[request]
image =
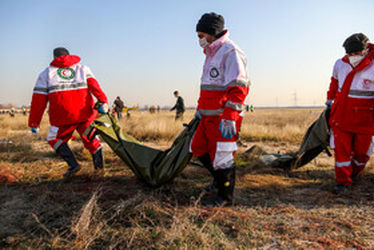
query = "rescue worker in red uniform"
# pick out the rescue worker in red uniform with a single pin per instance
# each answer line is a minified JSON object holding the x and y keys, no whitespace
{"x":351,"y":94}
{"x":224,"y":87}
{"x":68,"y":88}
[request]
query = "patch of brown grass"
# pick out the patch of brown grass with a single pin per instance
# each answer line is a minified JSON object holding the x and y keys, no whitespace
{"x":273,"y":209}
{"x":262,"y":125}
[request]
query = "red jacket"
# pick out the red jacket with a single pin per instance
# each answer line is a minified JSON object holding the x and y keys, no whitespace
{"x":67,"y":86}
{"x":352,"y":89}
{"x":224,"y":82}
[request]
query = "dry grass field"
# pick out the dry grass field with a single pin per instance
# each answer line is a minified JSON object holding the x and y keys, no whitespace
{"x":273,"y":209}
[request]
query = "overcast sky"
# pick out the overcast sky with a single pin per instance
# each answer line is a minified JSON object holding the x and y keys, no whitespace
{"x":144,"y":50}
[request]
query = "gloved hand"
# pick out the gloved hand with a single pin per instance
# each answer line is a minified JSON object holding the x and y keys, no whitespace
{"x":328,"y":104}
{"x":197,"y":114}
{"x":103,"y":109}
{"x":35,"y":130}
{"x":227,"y":128}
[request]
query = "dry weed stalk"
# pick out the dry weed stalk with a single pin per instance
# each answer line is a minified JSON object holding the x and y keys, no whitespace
{"x":81,"y":227}
{"x":89,"y":224}
{"x":43,"y":226}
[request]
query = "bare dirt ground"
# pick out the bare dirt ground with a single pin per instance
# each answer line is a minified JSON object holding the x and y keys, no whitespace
{"x":273,"y":209}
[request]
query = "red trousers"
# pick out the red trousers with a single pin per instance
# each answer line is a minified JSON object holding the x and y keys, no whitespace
{"x":58,"y":135}
{"x":208,"y":140}
{"x":352,"y":151}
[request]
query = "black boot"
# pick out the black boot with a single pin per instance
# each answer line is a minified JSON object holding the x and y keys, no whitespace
{"x":212,"y":186}
{"x":206,"y":161}
{"x":66,"y":154}
{"x":98,"y":159}
{"x":340,"y":188}
{"x":226,"y":184}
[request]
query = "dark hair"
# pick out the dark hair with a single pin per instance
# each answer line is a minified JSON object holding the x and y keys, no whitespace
{"x":176,"y":92}
{"x":220,"y":34}
{"x":60,"y":51}
{"x":356,"y":43}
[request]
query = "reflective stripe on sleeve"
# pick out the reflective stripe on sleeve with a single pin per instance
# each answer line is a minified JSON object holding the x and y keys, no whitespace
{"x":367,"y":93}
{"x":239,"y":83}
{"x":212,"y":87}
{"x":234,"y":83}
{"x":210,"y":112}
{"x":40,"y":90}
{"x":234,"y":105}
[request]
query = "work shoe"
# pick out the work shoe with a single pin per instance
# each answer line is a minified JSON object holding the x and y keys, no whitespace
{"x":355,"y":178}
{"x":217,"y":202}
{"x":66,"y":154}
{"x":225,"y":183}
{"x":98,"y":159}
{"x":340,"y":188}
{"x":71,"y":171}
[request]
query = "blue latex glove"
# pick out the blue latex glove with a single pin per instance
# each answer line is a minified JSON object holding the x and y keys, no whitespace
{"x":35,"y":130}
{"x":227,"y":128}
{"x":103,"y":109}
{"x":197,"y":114}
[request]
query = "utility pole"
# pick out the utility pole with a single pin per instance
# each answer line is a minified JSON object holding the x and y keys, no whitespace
{"x":295,"y":98}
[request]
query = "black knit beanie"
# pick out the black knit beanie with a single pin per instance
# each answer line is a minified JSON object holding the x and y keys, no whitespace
{"x":355,"y":43}
{"x":60,"y":51}
{"x":211,"y":23}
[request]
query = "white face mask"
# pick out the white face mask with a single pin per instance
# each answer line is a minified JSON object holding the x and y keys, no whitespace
{"x":355,"y":60}
{"x":203,"y":42}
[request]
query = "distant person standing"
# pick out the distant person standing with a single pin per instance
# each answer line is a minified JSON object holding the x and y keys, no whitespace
{"x":24,"y":110}
{"x":351,"y":98}
{"x":224,"y":87}
{"x":12,"y":112}
{"x":179,"y":106}
{"x":119,"y":105}
{"x":68,"y":88}
{"x":113,"y":110}
{"x":252,"y":108}
{"x":152,"y":109}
